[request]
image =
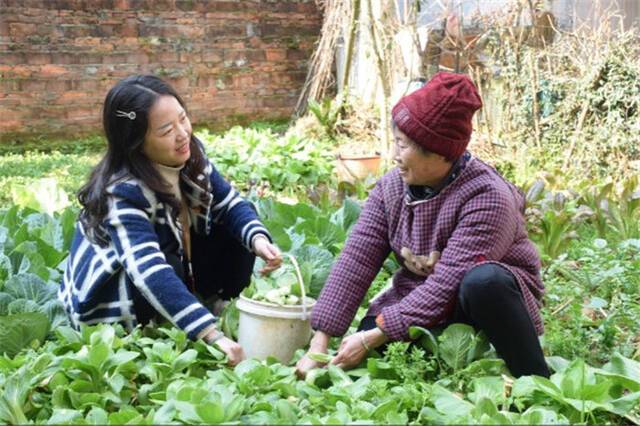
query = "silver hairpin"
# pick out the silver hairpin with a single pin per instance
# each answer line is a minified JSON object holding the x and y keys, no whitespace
{"x":130,"y":115}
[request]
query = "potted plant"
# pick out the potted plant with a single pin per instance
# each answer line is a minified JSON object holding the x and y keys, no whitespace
{"x":356,"y":161}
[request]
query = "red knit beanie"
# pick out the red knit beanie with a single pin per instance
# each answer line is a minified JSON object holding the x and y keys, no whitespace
{"x":438,"y":115}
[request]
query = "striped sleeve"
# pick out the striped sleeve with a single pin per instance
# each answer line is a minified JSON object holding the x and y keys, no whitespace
{"x":137,"y":248}
{"x":230,"y":209}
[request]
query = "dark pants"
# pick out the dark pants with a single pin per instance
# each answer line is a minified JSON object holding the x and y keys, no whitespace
{"x":222,"y":267}
{"x":489,"y":299}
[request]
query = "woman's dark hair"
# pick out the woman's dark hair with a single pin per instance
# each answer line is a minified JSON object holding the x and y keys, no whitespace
{"x":125,"y":118}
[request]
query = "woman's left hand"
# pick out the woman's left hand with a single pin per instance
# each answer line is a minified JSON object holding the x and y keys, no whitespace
{"x":355,"y":348}
{"x":269,"y":253}
{"x":351,"y":352}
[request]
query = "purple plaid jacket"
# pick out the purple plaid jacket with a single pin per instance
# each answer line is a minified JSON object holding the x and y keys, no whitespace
{"x":474,"y":220}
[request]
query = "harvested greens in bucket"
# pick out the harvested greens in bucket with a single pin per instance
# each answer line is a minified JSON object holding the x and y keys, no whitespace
{"x":281,"y":287}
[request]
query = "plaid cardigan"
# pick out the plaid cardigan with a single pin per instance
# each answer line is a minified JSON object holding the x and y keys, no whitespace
{"x":98,"y":283}
{"x":475,"y":219}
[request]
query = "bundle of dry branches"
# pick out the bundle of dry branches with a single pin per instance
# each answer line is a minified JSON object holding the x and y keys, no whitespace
{"x":320,"y":75}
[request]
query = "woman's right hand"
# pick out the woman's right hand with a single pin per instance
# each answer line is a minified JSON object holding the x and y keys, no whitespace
{"x":319,"y":344}
{"x":232,"y":349}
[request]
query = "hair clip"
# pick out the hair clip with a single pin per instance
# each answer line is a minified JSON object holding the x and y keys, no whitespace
{"x":130,"y":115}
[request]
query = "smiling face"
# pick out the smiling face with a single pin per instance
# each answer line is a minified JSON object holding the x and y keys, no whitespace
{"x":416,"y":166}
{"x":169,"y":133}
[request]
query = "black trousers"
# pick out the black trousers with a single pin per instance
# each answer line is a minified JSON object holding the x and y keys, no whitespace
{"x":222,"y":267}
{"x":489,"y":300}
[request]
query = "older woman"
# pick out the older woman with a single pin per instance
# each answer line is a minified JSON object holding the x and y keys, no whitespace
{"x":457,"y":228}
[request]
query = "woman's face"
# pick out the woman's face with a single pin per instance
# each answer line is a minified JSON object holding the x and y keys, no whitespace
{"x":417,"y":167}
{"x":169,"y":133}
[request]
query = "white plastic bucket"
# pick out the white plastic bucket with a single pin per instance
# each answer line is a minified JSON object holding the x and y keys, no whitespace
{"x":267,"y":329}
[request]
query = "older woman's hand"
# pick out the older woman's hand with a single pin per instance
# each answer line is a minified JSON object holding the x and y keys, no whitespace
{"x":351,"y":351}
{"x":319,"y":344}
{"x":355,"y":348}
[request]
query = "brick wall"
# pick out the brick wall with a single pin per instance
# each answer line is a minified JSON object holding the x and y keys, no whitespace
{"x":230,"y":60}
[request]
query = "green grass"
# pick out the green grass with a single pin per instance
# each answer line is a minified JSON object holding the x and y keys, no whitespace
{"x":70,"y":170}
{"x":69,"y":161}
{"x":78,"y":146}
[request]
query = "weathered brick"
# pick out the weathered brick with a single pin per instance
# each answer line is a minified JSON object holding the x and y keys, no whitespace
{"x":137,"y":58}
{"x":129,"y":29}
{"x":296,"y":54}
{"x":33,"y":86}
{"x":212,"y":56}
{"x":228,"y":58}
{"x":254,"y":55}
{"x":20,"y":30}
{"x":4,"y":28}
{"x":12,"y":58}
{"x":116,"y":58}
{"x":275,"y":55}
{"x":58,"y":86}
{"x":38,"y":59}
{"x":52,"y":70}
{"x":164,"y":57}
{"x":278,"y":101}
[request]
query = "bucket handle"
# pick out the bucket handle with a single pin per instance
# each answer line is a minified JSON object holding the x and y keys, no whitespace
{"x":302,"y":289}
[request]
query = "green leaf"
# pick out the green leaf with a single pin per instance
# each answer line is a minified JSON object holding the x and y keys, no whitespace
{"x":557,"y":364}
{"x":22,"y":305}
{"x":210,"y":412}
{"x":320,"y":357}
{"x":230,"y":321}
{"x":20,"y":330}
{"x":98,"y":354}
{"x":347,"y":215}
{"x":5,"y":300}
{"x":233,"y":409}
{"x":28,"y":259}
{"x":286,"y":411}
{"x":117,"y":382}
{"x":318,"y":377}
{"x":120,"y":358}
{"x":338,"y":376}
{"x":486,"y":409}
{"x":186,"y":412}
{"x":623,"y":405}
{"x":184,"y":360}
{"x":623,"y":370}
{"x":446,"y":402}
{"x":491,"y":388}
{"x":63,"y":416}
{"x":126,"y":415}
{"x":455,"y":343}
{"x":320,"y":261}
{"x":425,"y":339}
{"x":16,"y":388}
{"x":83,"y":400}
{"x":31,"y":287}
{"x":381,"y":370}
{"x":253,"y":371}
{"x":542,"y":416}
{"x":381,"y":411}
{"x":97,"y":416}
{"x":165,"y":414}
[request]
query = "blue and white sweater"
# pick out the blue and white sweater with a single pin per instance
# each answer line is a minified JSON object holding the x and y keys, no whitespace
{"x":98,"y":281}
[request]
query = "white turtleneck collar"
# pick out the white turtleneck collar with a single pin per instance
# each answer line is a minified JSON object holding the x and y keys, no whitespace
{"x":172,"y":176}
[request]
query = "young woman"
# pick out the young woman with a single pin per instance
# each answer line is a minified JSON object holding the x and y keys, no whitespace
{"x":458,"y":230}
{"x":158,"y":223}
